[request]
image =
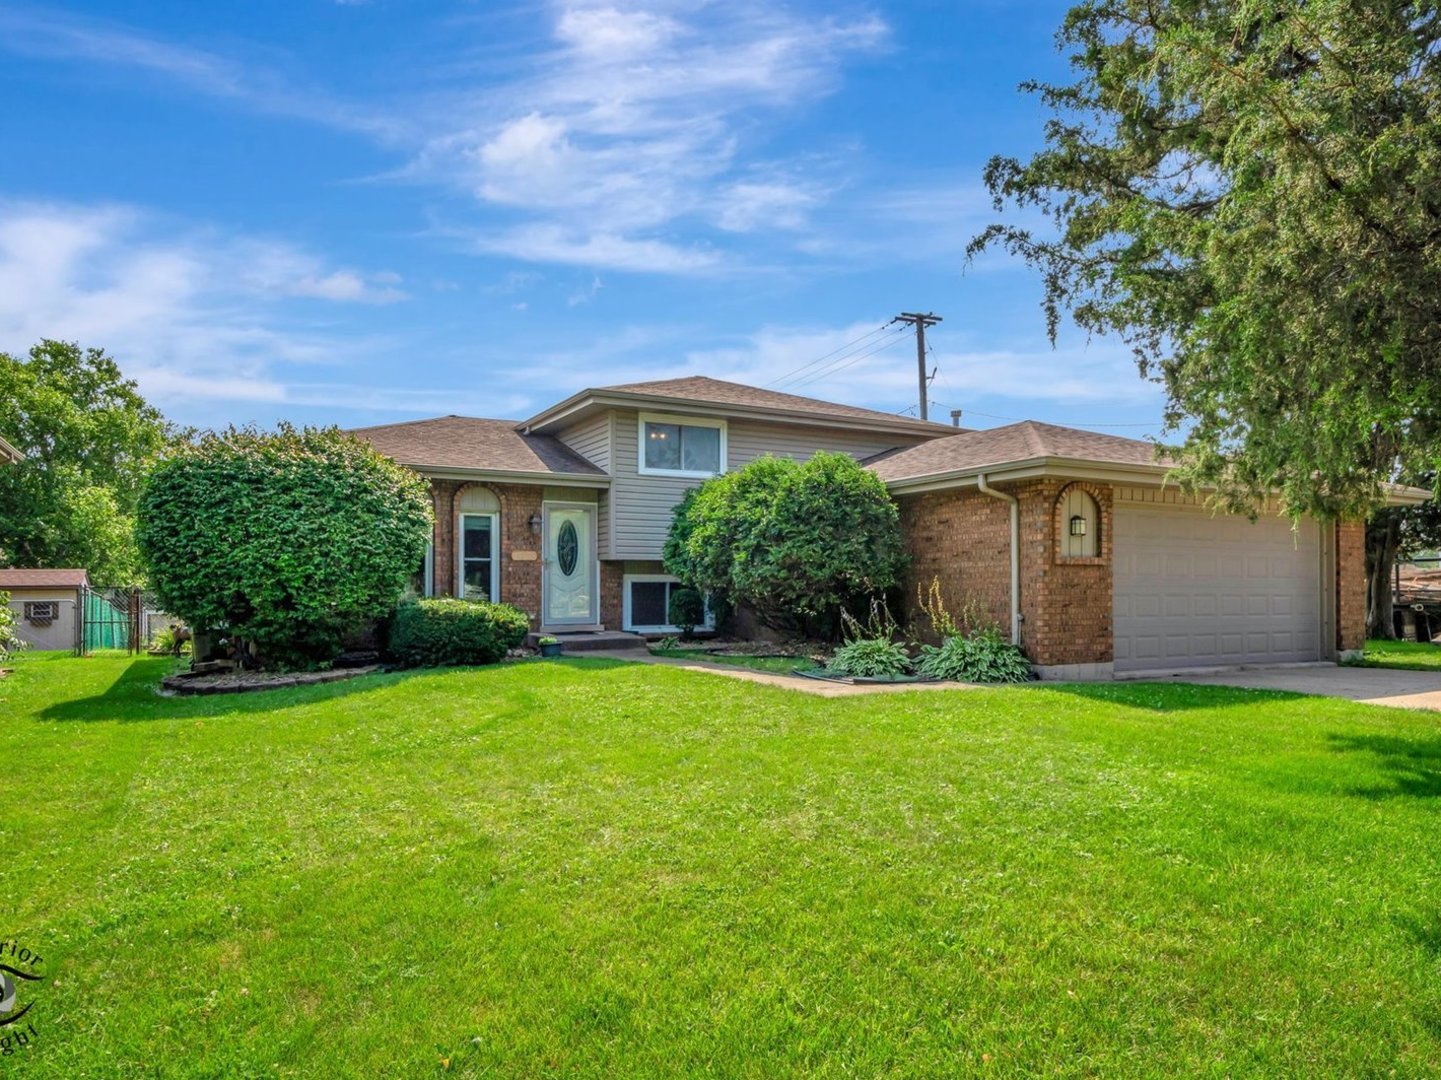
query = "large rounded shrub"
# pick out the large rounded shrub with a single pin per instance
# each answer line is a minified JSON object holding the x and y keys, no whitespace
{"x":797,"y":542}
{"x":287,"y":540}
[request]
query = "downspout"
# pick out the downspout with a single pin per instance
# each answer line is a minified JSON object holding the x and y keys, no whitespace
{"x":986,"y":489}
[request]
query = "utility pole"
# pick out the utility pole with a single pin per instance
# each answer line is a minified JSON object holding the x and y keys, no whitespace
{"x":920,"y":322}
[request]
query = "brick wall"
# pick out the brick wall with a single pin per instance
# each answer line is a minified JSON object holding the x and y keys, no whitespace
{"x":962,"y":538}
{"x":1350,"y":585}
{"x":1069,"y":615}
{"x":612,"y":572}
{"x":519,"y":577}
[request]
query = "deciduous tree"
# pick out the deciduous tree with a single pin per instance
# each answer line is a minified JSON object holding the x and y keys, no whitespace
{"x":1249,"y":194}
{"x":88,"y":437}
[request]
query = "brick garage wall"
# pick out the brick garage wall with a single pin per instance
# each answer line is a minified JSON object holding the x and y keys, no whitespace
{"x":519,"y":576}
{"x":962,"y":537}
{"x":1350,"y":585}
{"x":1068,"y":618}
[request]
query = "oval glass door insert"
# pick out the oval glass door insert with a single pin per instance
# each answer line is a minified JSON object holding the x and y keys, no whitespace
{"x":567,"y":548}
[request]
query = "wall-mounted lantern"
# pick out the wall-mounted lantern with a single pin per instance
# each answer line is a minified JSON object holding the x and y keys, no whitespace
{"x":1078,"y":525}
{"x":535,"y":524}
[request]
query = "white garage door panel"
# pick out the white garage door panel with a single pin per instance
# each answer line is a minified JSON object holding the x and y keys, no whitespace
{"x":1197,"y":591}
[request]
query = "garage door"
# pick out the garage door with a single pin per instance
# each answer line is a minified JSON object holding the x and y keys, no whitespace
{"x":1192,"y":590}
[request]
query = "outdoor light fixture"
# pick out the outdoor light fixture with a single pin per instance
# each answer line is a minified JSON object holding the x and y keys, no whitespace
{"x":535,"y":524}
{"x":1078,"y":525}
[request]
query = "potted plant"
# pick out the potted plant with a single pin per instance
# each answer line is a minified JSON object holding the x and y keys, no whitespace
{"x":550,"y":646}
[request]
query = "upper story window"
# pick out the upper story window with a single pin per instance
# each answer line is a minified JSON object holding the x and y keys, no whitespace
{"x":676,"y":446}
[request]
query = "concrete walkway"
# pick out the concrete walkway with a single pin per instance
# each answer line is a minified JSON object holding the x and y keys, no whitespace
{"x":1373,"y":686}
{"x":818,"y":687}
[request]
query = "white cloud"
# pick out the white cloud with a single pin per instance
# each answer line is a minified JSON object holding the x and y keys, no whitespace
{"x":586,"y":295}
{"x":634,"y":122}
{"x":54,"y":34}
{"x":348,"y":286}
{"x":749,"y":205}
{"x":556,"y":244}
{"x":611,"y":34}
{"x":637,"y":121}
{"x":188,"y":313}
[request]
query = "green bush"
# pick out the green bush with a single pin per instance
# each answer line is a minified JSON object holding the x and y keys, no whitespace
{"x":10,"y":641}
{"x":983,"y":657}
{"x":687,"y":609}
{"x":436,"y":633}
{"x":796,"y":542}
{"x":287,"y":540}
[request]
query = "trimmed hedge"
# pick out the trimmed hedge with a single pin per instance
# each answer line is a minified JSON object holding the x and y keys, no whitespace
{"x":440,"y":633}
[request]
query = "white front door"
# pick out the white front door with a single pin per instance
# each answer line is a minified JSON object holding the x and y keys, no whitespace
{"x":569,"y":573}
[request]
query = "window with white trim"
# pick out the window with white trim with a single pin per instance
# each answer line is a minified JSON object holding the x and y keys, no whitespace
{"x":646,"y":604}
{"x":681,"y":446}
{"x":479,"y":557}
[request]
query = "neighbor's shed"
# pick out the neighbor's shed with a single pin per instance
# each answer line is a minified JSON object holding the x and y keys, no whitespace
{"x":46,"y":604}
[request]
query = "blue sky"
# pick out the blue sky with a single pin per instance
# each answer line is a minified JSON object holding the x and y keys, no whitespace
{"x":374,"y":210}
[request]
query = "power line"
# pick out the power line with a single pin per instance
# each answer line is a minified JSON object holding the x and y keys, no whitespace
{"x":827,"y":356}
{"x":853,"y":360}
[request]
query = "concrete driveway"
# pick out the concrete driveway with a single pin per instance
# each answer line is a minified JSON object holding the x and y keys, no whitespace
{"x":1374,"y":686}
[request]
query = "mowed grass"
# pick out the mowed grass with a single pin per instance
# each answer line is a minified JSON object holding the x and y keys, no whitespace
{"x":1410,"y":655}
{"x":587,"y":868}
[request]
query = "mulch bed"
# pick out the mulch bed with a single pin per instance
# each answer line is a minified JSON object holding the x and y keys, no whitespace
{"x":242,"y":682}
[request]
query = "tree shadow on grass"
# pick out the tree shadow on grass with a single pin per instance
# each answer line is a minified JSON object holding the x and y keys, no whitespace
{"x":1167,"y":697}
{"x":133,"y":697}
{"x":1412,"y":767}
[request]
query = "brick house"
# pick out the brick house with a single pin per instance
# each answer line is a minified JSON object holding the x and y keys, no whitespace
{"x":1069,"y":539}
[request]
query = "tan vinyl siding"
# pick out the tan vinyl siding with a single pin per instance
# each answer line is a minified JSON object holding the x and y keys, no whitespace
{"x":591,"y":440}
{"x":641,"y":505}
{"x":749,"y":440}
{"x":640,"y":509}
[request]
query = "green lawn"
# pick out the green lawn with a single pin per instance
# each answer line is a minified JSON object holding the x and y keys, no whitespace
{"x":587,"y":868}
{"x":1412,"y":655}
{"x":778,"y":665}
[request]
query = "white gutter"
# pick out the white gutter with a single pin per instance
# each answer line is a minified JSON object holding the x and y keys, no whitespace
{"x":986,"y":489}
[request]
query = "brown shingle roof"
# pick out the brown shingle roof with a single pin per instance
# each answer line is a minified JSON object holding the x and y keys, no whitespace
{"x":699,"y":388}
{"x":468,"y":442}
{"x":994,"y":447}
{"x":42,"y":579}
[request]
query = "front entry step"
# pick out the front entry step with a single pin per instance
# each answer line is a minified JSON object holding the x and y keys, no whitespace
{"x":591,"y":640}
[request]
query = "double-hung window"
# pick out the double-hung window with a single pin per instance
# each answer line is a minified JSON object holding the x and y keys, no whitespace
{"x":478,"y":557}
{"x":681,"y":446}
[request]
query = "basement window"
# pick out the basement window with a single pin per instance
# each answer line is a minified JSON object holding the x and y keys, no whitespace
{"x":646,"y":603}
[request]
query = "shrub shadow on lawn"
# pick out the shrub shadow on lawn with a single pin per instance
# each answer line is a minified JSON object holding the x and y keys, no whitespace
{"x":1167,"y":697}
{"x":1412,"y":766}
{"x":133,"y":696}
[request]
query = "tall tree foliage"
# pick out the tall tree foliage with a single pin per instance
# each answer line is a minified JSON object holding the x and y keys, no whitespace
{"x":88,"y":437}
{"x":1249,"y":194}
